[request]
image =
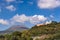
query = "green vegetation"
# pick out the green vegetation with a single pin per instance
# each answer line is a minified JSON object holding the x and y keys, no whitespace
{"x":46,"y":32}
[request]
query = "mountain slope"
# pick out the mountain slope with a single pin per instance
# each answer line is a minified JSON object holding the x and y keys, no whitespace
{"x":17,"y":28}
{"x":14,"y":28}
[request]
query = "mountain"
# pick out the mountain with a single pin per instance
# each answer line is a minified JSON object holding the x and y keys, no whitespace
{"x":17,"y":28}
{"x":14,"y":28}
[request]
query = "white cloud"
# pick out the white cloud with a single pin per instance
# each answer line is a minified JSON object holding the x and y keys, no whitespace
{"x":48,"y":22}
{"x":48,"y":3}
{"x":37,"y":18}
{"x":32,"y":19}
{"x":20,"y":18}
{"x":51,"y":16}
{"x":4,"y":22}
{"x":10,"y":0}
{"x":11,"y":8}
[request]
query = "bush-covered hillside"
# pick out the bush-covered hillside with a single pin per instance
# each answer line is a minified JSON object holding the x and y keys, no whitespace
{"x":46,"y":32}
{"x":52,"y":30}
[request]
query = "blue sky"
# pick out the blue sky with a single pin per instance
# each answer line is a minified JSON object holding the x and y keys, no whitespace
{"x":28,"y":12}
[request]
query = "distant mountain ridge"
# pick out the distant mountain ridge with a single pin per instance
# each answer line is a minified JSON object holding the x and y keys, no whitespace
{"x":17,"y":28}
{"x":14,"y":28}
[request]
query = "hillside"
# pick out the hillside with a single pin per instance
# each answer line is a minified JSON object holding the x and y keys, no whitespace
{"x":51,"y":30}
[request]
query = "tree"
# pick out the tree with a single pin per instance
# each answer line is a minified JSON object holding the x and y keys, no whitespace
{"x":16,"y":33}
